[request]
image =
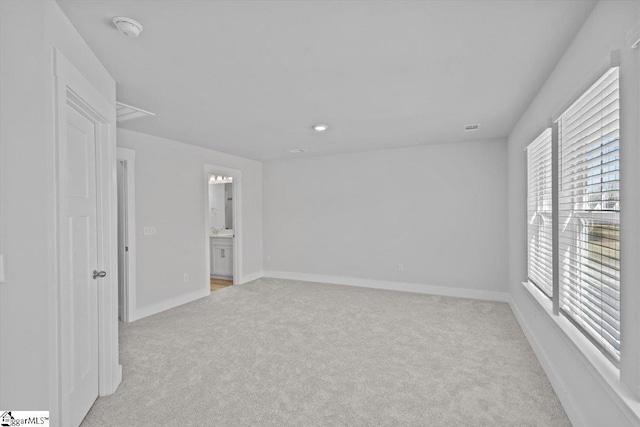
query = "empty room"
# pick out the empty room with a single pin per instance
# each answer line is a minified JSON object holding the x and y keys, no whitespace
{"x":320,"y":213}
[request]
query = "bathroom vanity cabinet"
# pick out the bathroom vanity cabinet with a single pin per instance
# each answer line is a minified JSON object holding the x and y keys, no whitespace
{"x":221,"y":252}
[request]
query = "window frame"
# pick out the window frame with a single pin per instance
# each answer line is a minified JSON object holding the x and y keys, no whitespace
{"x":605,"y":361}
{"x":543,"y":135}
{"x":579,"y":317}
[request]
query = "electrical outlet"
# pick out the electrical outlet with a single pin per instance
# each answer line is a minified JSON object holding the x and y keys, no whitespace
{"x":400,"y":267}
{"x":149,"y":231}
{"x":186,"y":277}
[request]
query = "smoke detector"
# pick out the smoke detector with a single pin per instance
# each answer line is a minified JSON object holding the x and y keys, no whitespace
{"x":127,"y":26}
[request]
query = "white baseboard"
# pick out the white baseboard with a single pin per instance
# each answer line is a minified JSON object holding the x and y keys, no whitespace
{"x":246,"y":278}
{"x":118,"y":378}
{"x":167,"y":304}
{"x":556,"y":381}
{"x":392,"y":286}
{"x":609,"y":391}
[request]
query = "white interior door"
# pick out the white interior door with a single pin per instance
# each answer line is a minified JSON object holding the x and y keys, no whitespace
{"x":79,"y":298}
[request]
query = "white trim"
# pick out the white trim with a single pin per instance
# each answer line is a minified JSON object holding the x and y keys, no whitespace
{"x":68,"y":84}
{"x":633,"y":38}
{"x":246,"y":278}
{"x":393,"y":286}
{"x":590,"y":357}
{"x":629,"y":214}
{"x":168,"y":304}
{"x":129,"y":156}
{"x":558,"y":385}
{"x":236,"y":174}
{"x":588,"y":80}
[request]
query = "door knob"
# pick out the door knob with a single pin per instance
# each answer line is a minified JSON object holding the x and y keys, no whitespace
{"x":97,"y":274}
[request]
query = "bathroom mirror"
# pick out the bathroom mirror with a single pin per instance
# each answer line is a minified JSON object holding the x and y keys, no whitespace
{"x":220,"y":203}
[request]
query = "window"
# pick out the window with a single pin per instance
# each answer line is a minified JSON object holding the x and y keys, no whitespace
{"x":574,"y":251}
{"x":539,"y":228}
{"x":589,"y":213}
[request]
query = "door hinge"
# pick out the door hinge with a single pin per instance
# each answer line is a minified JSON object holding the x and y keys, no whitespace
{"x":126,"y":248}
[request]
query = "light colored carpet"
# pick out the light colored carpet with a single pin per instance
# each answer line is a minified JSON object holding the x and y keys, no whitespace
{"x":286,"y":353}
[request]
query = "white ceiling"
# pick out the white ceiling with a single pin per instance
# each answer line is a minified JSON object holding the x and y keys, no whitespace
{"x":251,"y":77}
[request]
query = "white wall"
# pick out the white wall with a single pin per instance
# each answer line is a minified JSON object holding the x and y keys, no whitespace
{"x":439,"y":210}
{"x":28,"y":32}
{"x":581,"y":390}
{"x":170,"y":195}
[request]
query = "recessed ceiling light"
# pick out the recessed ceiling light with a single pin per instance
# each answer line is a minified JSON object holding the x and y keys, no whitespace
{"x":297,"y":150}
{"x":320,"y":127}
{"x":127,"y":26}
{"x":469,"y":128}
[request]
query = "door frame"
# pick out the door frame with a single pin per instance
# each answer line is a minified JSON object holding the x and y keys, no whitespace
{"x":129,"y":157}
{"x":70,"y":86}
{"x":236,"y":174}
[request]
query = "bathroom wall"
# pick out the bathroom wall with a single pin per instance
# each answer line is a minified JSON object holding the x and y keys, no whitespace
{"x":228,"y":207}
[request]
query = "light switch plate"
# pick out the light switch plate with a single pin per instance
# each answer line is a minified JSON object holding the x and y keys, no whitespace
{"x":149,"y":231}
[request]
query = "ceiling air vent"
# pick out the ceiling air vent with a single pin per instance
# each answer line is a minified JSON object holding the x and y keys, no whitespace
{"x":126,"y":112}
{"x":470,"y":128}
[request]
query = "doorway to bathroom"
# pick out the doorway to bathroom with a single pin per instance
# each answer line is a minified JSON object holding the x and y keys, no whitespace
{"x":222,"y":228}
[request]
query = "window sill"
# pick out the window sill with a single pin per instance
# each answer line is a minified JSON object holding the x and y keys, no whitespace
{"x":602,"y":368}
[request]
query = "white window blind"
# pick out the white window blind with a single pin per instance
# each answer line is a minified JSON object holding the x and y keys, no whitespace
{"x":539,"y":229}
{"x":589,"y":212}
